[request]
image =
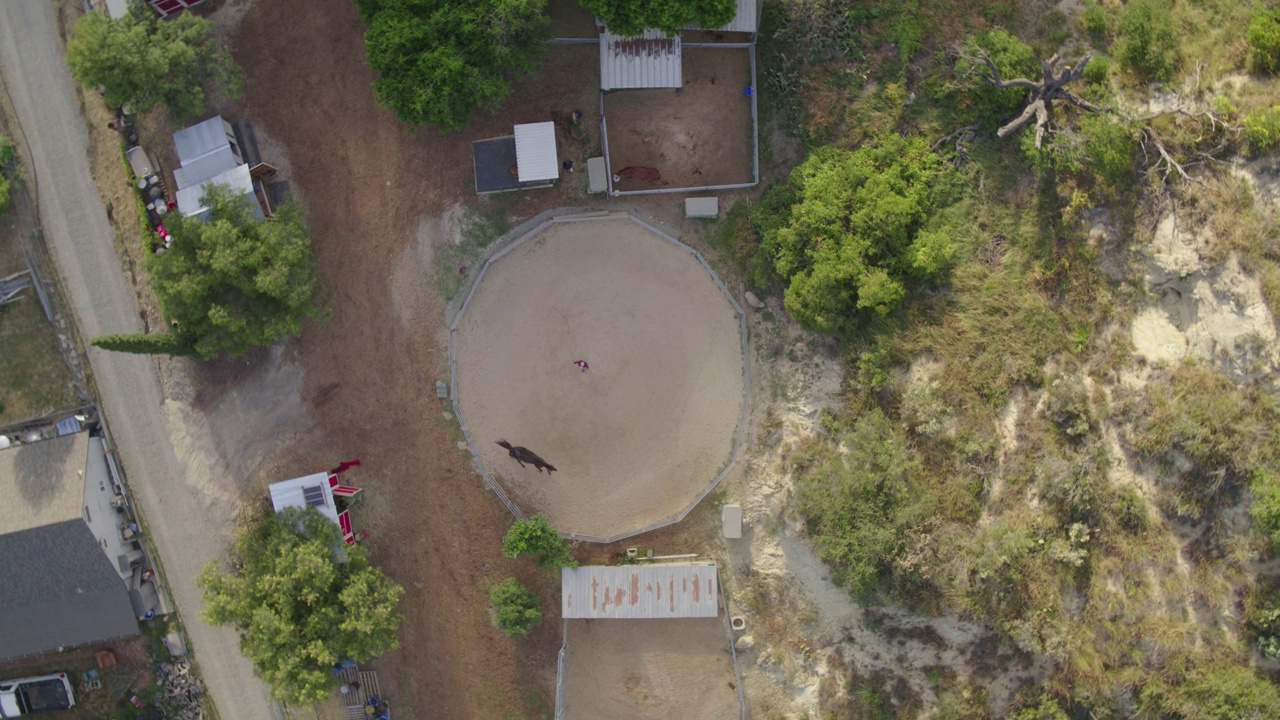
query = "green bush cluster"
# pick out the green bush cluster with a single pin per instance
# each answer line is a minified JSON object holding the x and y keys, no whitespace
{"x":1262,"y":130}
{"x":1109,"y":148}
{"x":857,"y":503}
{"x":535,"y":536}
{"x":1096,"y":20}
{"x":850,"y":229}
{"x":1097,"y":70}
{"x":515,"y":609}
{"x":1147,"y":44}
{"x":1264,"y":39}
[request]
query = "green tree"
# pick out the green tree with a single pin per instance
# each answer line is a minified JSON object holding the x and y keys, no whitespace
{"x":1109,"y":146}
{"x":859,"y":230}
{"x":1264,"y":39}
{"x":535,"y":536}
{"x":632,"y":17}
{"x":146,"y":344}
{"x":301,"y":601}
{"x":1147,"y":42}
{"x":232,"y":282}
{"x":515,"y":608}
{"x":142,"y":60}
{"x":438,"y":61}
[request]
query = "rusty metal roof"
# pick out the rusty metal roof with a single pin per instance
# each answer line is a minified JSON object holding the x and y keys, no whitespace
{"x":651,"y":60}
{"x":660,"y":591}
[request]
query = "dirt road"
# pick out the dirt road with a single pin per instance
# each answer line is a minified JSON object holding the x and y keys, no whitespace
{"x":187,"y":516}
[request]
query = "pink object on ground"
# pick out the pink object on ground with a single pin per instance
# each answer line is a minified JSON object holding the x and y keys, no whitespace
{"x":582,"y":364}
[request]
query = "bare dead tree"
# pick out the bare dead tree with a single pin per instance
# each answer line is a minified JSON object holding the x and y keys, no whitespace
{"x":1041,"y":94}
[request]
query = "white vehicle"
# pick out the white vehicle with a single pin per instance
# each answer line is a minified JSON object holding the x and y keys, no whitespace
{"x":33,"y":695}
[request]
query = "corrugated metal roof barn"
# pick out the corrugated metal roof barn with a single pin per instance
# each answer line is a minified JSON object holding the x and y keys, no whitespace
{"x":660,"y":591}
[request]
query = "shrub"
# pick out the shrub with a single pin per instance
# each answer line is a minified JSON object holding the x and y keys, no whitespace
{"x":535,"y":536}
{"x":632,"y":17}
{"x":1265,"y":487}
{"x":1095,"y":20}
{"x":851,"y":499}
{"x":1262,"y":130}
{"x":922,"y":411}
{"x":1109,"y":146}
{"x":1264,"y":39}
{"x":8,"y":165}
{"x":515,"y":608}
{"x":1097,"y":70}
{"x":1223,"y":693}
{"x":1147,"y":43}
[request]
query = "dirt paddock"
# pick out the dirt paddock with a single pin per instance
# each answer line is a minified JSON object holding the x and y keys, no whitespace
{"x":696,"y":135}
{"x":649,"y":670}
{"x":640,"y":434}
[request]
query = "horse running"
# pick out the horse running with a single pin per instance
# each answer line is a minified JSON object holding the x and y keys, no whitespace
{"x":524,"y":455}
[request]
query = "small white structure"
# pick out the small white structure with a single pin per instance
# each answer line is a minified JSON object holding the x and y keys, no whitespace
{"x":304,"y":492}
{"x":597,"y":175}
{"x":731,"y":520}
{"x":651,"y":60}
{"x":537,"y":158}
{"x":316,"y":490}
{"x":703,"y":207}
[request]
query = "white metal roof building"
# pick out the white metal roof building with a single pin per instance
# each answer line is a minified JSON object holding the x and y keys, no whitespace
{"x":304,"y":492}
{"x":652,"y":60}
{"x":237,"y":178}
{"x":536,"y":155}
{"x":210,"y":154}
{"x":658,"y":591}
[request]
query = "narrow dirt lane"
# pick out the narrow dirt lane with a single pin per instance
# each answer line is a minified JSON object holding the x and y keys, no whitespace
{"x":190,"y":517}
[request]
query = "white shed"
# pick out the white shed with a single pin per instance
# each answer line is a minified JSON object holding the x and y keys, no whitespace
{"x":304,"y":492}
{"x":536,"y":156}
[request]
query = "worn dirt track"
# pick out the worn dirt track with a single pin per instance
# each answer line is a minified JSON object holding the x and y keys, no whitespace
{"x":370,"y":371}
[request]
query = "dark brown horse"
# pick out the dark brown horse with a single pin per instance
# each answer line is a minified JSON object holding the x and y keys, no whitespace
{"x":524,"y":455}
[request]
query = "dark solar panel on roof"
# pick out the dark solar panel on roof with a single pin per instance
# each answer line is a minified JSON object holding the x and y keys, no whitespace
{"x":314,"y":495}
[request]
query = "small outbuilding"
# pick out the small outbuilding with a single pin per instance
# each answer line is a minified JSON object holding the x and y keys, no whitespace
{"x":319,"y":491}
{"x":651,"y":60}
{"x":211,"y":153}
{"x":527,"y":159}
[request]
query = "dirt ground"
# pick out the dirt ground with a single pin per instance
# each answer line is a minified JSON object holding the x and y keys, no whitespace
{"x":640,"y":434}
{"x":362,"y":384}
{"x":649,"y":670}
{"x":696,"y":135}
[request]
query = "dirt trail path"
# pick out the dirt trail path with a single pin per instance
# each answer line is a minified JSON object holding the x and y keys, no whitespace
{"x":369,"y":374}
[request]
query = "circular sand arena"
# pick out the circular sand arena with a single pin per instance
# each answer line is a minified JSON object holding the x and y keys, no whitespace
{"x":641,"y":434}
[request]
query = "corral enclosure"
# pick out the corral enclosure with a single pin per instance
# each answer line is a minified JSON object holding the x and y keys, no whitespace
{"x":645,"y":431}
{"x":697,"y":135}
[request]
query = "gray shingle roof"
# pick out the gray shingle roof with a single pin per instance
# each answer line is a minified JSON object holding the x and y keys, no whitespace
{"x":57,"y":589}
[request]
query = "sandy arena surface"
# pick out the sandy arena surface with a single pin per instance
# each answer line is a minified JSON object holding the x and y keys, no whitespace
{"x":640,"y":434}
{"x":649,"y":670}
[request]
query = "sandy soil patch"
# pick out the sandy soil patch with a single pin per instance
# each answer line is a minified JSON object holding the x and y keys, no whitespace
{"x":649,"y":670}
{"x":647,"y":428}
{"x":696,"y":135}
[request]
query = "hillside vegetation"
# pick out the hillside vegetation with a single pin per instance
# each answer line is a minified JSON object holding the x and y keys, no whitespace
{"x":1060,"y":415}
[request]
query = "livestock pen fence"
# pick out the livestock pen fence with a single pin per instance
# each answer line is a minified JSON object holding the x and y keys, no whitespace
{"x":509,"y":243}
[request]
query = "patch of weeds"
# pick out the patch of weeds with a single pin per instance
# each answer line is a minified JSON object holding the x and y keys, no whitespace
{"x":481,"y":225}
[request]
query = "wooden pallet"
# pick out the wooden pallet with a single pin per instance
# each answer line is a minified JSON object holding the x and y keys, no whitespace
{"x":359,"y":696}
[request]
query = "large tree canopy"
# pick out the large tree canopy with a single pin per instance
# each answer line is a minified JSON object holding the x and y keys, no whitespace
{"x":438,"y":61}
{"x":233,"y":282}
{"x":856,"y":228}
{"x":632,"y":17}
{"x":297,"y":609}
{"x":142,"y":60}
